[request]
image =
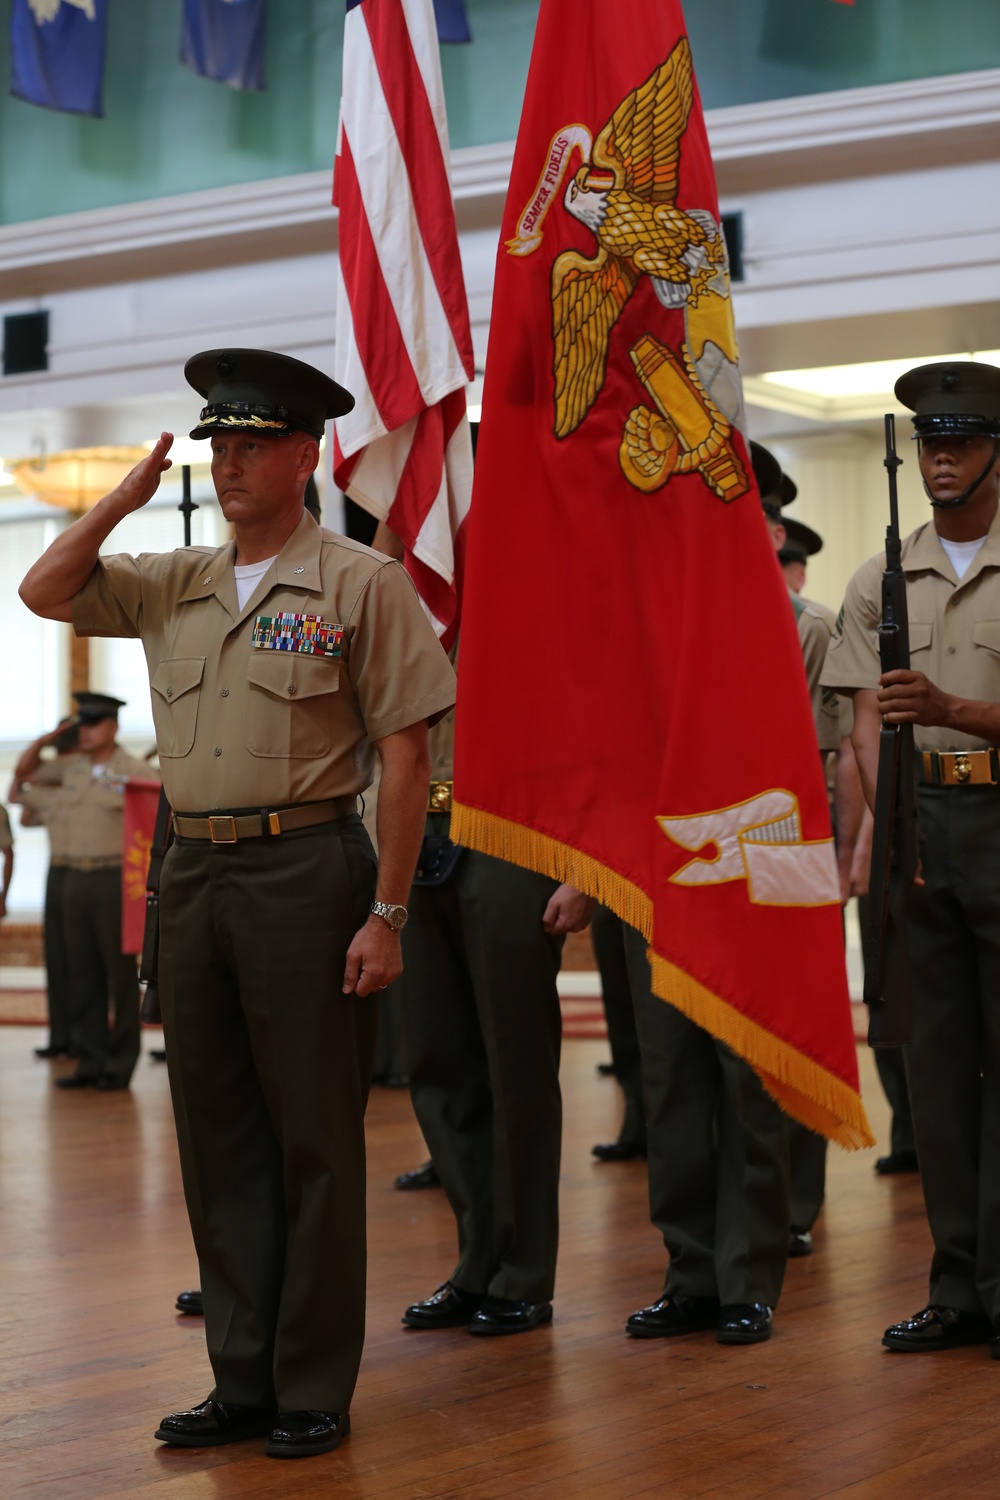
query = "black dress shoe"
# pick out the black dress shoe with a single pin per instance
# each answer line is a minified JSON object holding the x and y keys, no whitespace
{"x":190,"y":1303}
{"x":421,"y":1177}
{"x":76,"y":1081}
{"x":619,"y":1150}
{"x":606,"y":1070}
{"x":156,"y":1054}
{"x":449,"y":1307}
{"x":301,"y":1434}
{"x":51,"y":1051}
{"x":504,"y":1315}
{"x":108,"y":1082}
{"x":743,"y":1323}
{"x":673,"y":1315}
{"x":899,"y":1161}
{"x":800,"y":1242}
{"x":936,"y":1327}
{"x":214,"y":1422}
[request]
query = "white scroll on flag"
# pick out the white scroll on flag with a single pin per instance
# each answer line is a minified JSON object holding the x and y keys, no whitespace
{"x":404,"y":346}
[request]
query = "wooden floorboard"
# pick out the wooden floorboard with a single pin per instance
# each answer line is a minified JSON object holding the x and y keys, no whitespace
{"x":94,"y":1246}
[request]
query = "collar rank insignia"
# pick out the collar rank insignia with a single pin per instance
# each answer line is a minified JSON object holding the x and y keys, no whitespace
{"x":309,"y":635}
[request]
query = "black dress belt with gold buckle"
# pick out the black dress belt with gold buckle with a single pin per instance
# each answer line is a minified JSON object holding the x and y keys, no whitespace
{"x":229,"y":828}
{"x":439,"y":796}
{"x":959,"y":767}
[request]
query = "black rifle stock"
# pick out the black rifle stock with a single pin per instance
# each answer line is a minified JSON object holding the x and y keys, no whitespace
{"x":149,"y":963}
{"x":888,"y":987}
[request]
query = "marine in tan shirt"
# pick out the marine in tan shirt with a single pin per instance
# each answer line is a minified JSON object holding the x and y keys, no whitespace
{"x":80,"y":795}
{"x":951,"y":695}
{"x":269,"y":711}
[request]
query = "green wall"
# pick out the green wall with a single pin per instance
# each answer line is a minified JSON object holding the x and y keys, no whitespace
{"x":167,"y":131}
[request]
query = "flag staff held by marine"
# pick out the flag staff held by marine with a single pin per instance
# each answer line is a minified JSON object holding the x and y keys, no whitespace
{"x":621,"y":585}
{"x":895,"y":859}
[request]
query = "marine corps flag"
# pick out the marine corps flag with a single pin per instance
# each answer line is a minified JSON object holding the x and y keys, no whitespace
{"x":632,"y":708}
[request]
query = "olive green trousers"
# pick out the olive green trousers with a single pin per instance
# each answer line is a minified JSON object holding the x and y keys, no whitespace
{"x":953,"y":1062}
{"x":270,"y":1065}
{"x":99,"y":974}
{"x":718,"y":1155}
{"x":483,"y":1034}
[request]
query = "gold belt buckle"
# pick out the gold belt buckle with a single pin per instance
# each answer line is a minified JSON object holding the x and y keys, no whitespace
{"x":961,"y":769}
{"x":227,"y":829}
{"x":440,"y":796}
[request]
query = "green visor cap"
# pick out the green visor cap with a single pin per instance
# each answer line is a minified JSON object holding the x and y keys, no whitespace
{"x":256,"y":390}
{"x":801,"y":542}
{"x":958,"y":396}
{"x":767,"y":472}
{"x":91,"y":708}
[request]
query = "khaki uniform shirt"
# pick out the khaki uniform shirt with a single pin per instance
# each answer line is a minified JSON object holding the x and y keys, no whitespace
{"x":88,"y":814}
{"x":6,"y":837}
{"x":242,"y":725}
{"x":815,"y":632}
{"x":954,"y":627}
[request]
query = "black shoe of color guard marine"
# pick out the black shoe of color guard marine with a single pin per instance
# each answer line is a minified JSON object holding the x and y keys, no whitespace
{"x":448,"y":1307}
{"x":499,"y":1315}
{"x":303,"y":1434}
{"x":672,"y":1316}
{"x":214,"y":1422}
{"x":936,"y":1327}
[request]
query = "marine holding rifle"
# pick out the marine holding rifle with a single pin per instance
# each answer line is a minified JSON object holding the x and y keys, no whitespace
{"x":951,"y":695}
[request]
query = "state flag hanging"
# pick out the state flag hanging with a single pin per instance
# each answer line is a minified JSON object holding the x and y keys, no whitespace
{"x":404,"y":345}
{"x":452,"y":21}
{"x":57,"y":53}
{"x":225,"y":40}
{"x":632,"y":710}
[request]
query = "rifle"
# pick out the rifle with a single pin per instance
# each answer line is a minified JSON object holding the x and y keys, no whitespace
{"x":149,"y":962}
{"x":895,"y":856}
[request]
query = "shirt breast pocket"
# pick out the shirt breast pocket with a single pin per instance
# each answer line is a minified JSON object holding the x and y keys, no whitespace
{"x":921,"y":635}
{"x":289,"y":704}
{"x":176,"y":686}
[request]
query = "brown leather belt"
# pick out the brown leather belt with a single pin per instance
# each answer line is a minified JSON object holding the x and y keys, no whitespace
{"x":229,"y":828}
{"x":959,"y":767}
{"x":439,"y":796}
{"x":88,"y":866}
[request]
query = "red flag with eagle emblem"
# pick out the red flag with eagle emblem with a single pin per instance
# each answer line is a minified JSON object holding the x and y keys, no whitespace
{"x":632,"y":710}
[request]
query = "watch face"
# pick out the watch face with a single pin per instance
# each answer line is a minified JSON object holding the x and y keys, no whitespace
{"x":397,"y":917}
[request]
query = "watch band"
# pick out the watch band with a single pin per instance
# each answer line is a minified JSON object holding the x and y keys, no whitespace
{"x":394,"y":915}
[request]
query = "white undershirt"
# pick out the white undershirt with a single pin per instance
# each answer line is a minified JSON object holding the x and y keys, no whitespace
{"x":248,"y":577}
{"x":962,"y":554}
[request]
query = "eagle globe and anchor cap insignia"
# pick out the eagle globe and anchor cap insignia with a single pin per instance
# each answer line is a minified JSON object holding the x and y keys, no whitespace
{"x":626,"y":194}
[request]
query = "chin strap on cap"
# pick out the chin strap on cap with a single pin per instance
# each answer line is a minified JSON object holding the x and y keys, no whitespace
{"x":970,"y":489}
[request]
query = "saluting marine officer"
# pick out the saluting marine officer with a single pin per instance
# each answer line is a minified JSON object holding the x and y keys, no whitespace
{"x":952,"y":695}
{"x":82,"y":797}
{"x":279,"y":666}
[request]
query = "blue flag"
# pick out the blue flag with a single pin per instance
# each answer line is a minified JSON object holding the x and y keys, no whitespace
{"x":452,"y":22}
{"x":225,"y":40}
{"x":57,"y":53}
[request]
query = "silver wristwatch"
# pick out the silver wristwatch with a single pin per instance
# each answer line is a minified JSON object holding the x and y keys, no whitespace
{"x":395,"y":915}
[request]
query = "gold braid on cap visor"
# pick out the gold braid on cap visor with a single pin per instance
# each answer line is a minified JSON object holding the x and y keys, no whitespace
{"x":219,"y":420}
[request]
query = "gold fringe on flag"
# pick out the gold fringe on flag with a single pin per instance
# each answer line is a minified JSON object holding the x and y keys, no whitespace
{"x":491,"y":834}
{"x":802,"y":1087}
{"x":805,"y":1089}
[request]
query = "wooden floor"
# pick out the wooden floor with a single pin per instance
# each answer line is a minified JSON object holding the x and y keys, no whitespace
{"x":94,"y":1246}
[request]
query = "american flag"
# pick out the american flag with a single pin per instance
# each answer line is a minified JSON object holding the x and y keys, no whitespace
{"x":404,"y":346}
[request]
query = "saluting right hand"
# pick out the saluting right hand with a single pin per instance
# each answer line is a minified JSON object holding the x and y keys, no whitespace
{"x":141,"y":484}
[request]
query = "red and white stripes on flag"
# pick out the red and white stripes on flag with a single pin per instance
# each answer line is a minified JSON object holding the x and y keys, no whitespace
{"x":404,"y":346}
